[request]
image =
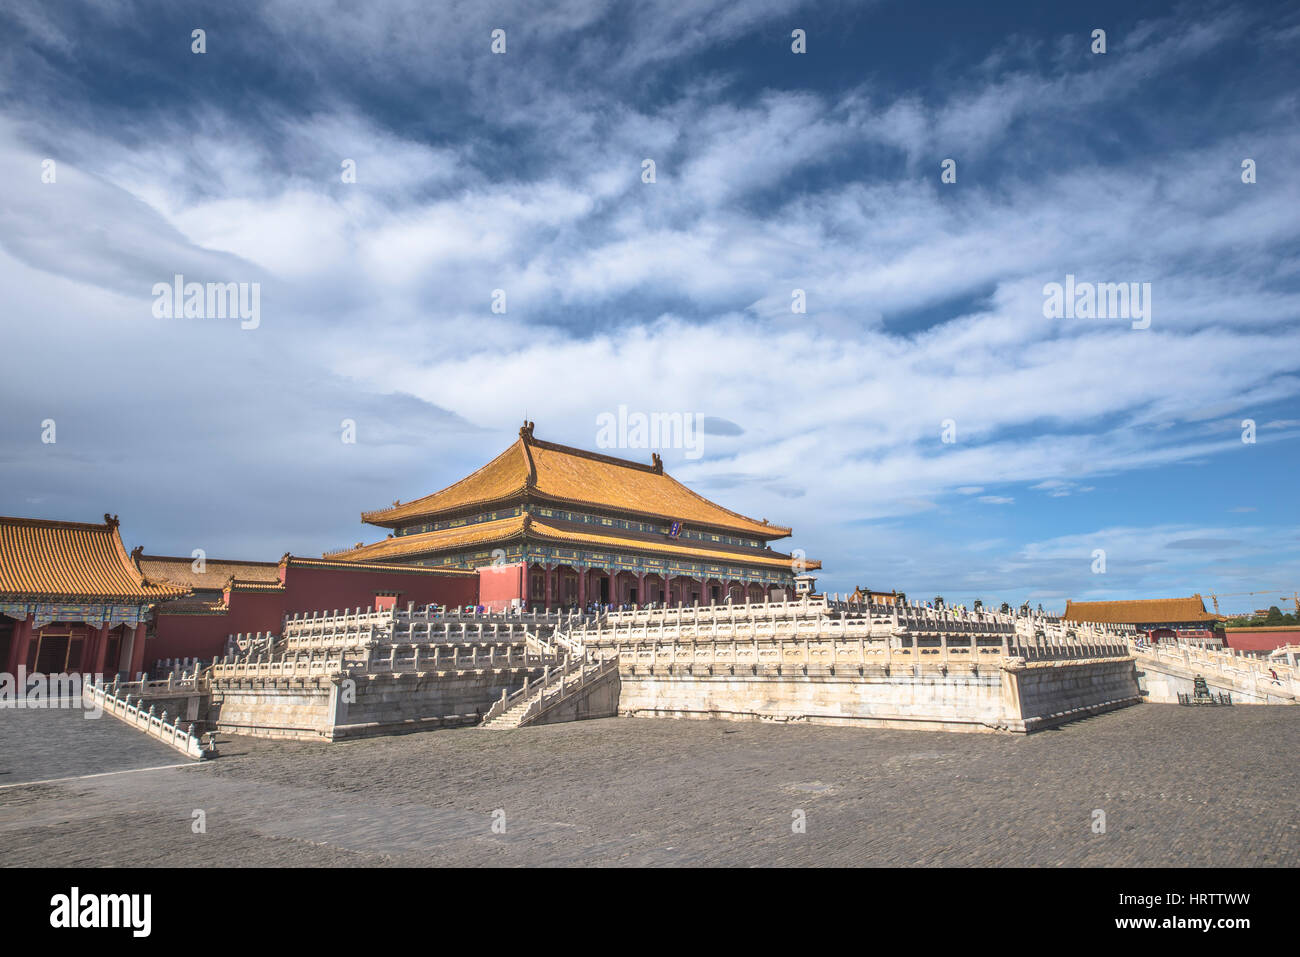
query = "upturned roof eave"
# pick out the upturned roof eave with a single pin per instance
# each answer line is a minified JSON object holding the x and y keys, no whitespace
{"x":528,"y":534}
{"x":526,"y":496}
{"x":89,"y":599}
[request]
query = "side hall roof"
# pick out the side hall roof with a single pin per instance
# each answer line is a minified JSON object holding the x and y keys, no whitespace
{"x":72,"y":561}
{"x":1145,"y":611}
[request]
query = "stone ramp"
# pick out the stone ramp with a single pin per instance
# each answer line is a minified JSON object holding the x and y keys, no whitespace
{"x":583,"y":687}
{"x":45,"y":744}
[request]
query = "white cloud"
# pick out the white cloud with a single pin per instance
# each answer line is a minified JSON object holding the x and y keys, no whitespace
{"x":923,"y":305}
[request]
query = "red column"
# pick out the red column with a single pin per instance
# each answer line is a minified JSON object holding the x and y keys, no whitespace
{"x":640,"y":588}
{"x":137,"y":652}
{"x":101,"y":652}
{"x":87,"y":664}
{"x":21,"y":642}
{"x":546,"y":595}
{"x":582,"y":588}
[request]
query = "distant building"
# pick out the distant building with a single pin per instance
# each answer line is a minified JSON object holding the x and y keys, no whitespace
{"x":1162,"y":619}
{"x":865,"y":596}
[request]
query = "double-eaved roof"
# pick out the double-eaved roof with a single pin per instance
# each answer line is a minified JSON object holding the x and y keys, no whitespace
{"x":534,"y":473}
{"x":44,"y":560}
{"x":546,"y":472}
{"x":518,"y":527}
{"x":1144,"y":611}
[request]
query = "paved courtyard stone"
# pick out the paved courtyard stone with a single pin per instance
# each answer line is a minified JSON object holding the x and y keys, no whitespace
{"x":39,"y":744}
{"x":1178,"y":786}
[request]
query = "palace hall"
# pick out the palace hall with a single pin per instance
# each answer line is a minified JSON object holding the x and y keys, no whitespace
{"x":562,"y":526}
{"x":71,"y":599}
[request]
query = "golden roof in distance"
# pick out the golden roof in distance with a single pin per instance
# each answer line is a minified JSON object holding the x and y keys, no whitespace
{"x":216,"y":572}
{"x":72,"y":561}
{"x":547,"y":472}
{"x":1141,"y":611}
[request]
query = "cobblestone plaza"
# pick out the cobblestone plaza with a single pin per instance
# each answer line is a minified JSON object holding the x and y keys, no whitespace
{"x":1178,"y":786}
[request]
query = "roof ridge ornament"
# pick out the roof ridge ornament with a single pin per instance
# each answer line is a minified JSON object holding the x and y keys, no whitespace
{"x":526,"y":437}
{"x":111,"y":520}
{"x":657,"y":462}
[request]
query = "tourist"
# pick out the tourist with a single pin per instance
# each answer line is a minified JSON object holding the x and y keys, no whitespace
{"x":1272,"y":673}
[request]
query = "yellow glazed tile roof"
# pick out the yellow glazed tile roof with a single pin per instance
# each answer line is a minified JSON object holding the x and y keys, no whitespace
{"x":445,"y":539}
{"x":1139,"y":612}
{"x":72,"y":561}
{"x":558,"y":473}
{"x":215,"y":574}
{"x":523,"y":526}
{"x":506,"y":476}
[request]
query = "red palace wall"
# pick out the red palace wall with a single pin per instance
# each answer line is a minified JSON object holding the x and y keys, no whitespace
{"x":204,"y":636}
{"x":1263,"y":640}
{"x":500,"y":585}
{"x":307,"y":588}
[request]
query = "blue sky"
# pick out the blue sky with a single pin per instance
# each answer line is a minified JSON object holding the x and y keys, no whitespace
{"x":774,"y":172}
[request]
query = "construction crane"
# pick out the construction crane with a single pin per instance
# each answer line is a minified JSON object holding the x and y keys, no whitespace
{"x":1295,"y":596}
